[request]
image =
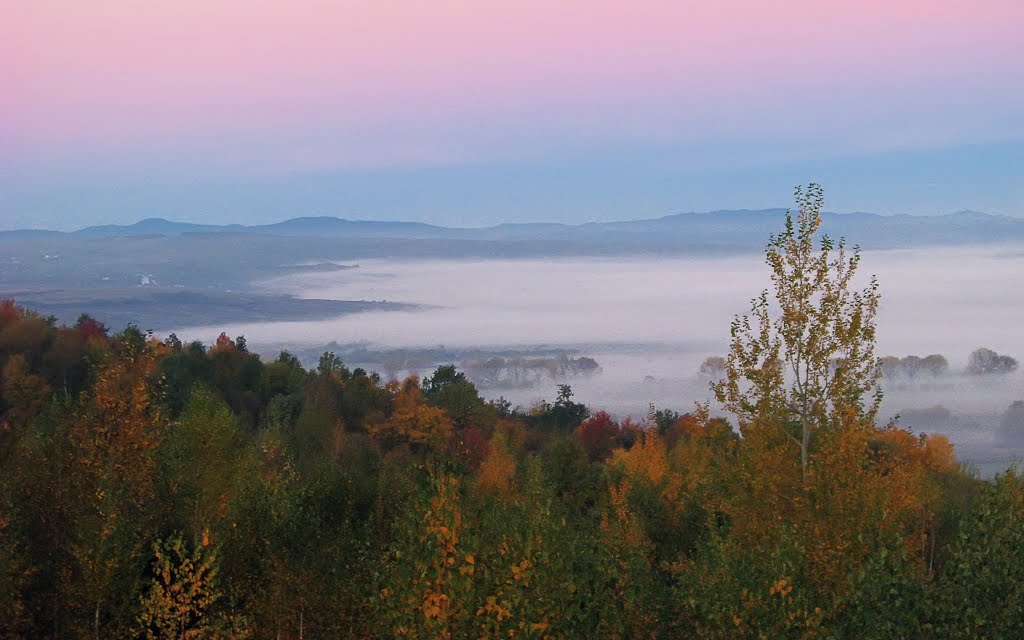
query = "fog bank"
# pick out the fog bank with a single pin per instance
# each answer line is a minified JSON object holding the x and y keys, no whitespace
{"x":650,"y":322}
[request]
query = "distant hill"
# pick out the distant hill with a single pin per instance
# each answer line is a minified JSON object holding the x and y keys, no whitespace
{"x":329,"y":226}
{"x":153,"y":226}
{"x":734,"y":228}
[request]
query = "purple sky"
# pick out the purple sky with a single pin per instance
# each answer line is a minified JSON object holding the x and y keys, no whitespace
{"x":472,"y":113}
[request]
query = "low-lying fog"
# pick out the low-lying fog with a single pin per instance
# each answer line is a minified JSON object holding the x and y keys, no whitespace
{"x":650,"y":322}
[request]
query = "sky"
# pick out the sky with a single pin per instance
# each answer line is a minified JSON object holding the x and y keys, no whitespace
{"x":469,"y":113}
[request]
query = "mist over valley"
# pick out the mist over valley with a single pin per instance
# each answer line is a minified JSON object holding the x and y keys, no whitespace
{"x":517,"y":306}
{"x":649,"y":323}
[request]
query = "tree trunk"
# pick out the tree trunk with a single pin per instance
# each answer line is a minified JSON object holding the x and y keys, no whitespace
{"x":805,"y":445}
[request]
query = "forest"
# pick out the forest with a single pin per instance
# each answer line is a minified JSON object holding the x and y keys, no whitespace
{"x":160,"y":489}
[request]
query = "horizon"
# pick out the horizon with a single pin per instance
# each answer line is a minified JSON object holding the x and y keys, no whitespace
{"x":152,"y":219}
{"x":461,"y":115}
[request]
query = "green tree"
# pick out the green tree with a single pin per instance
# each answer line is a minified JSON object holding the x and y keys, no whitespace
{"x":201,"y":461}
{"x":805,"y":358}
{"x":453,"y":392}
{"x":981,"y":594}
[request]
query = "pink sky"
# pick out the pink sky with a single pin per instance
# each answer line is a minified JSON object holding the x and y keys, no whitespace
{"x":257,"y":86}
{"x":82,"y":72}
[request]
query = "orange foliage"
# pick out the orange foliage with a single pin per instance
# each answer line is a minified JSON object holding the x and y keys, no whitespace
{"x":119,"y":427}
{"x":766,"y":488}
{"x":111,"y":478}
{"x":437,"y":603}
{"x":496,"y":473}
{"x":412,"y":420}
{"x":646,"y":460}
{"x":224,"y":343}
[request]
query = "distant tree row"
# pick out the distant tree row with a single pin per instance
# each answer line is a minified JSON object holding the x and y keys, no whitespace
{"x":913,"y":366}
{"x":981,"y":361}
{"x":519,"y":372}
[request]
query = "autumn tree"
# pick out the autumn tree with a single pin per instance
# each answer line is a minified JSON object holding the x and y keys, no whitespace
{"x":412,"y":419}
{"x":182,"y":593}
{"x":804,"y":357}
{"x":598,"y":435}
{"x":499,"y":467}
{"x":426,"y":572}
{"x":109,"y":485}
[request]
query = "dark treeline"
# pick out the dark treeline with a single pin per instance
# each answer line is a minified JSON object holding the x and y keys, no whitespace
{"x":167,"y":490}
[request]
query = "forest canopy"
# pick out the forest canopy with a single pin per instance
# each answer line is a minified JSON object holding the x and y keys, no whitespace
{"x":161,"y":489}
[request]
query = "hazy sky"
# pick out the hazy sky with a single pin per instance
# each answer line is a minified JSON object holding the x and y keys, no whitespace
{"x":465,"y":112}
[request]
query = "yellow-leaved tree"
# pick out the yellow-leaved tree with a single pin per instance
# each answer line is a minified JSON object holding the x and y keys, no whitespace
{"x":183,"y":592}
{"x":804,"y":358}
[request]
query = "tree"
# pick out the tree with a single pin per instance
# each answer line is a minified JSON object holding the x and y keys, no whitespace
{"x":981,"y":594}
{"x":935,"y":364}
{"x":449,"y":389}
{"x":108,"y":487}
{"x":498,"y":469}
{"x":985,"y":361}
{"x":91,"y":328}
{"x":412,"y":419}
{"x":331,"y":363}
{"x":598,"y":434}
{"x":181,"y":592}
{"x":713,"y":366}
{"x":566,"y":413}
{"x":427,"y":572}
{"x":201,"y":461}
{"x":24,"y":393}
{"x":663,"y":419}
{"x":808,"y":359}
{"x":889,"y":367}
{"x":911,"y":366}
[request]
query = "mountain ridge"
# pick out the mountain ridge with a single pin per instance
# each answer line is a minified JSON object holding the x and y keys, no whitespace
{"x":343,"y":227}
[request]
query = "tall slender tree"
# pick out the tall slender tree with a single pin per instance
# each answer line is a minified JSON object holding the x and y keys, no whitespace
{"x":805,"y":357}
